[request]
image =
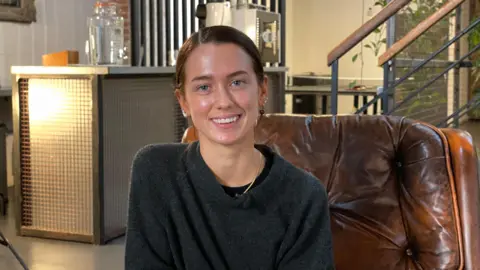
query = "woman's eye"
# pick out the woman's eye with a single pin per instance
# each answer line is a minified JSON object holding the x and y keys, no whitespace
{"x":237,"y":82}
{"x":203,"y":87}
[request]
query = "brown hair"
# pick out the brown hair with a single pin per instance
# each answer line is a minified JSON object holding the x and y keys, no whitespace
{"x":218,"y":34}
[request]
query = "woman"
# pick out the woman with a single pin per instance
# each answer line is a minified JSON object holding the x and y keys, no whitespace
{"x":224,"y":202}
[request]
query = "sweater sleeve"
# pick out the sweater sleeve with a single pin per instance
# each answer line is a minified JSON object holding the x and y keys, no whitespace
{"x":309,"y":244}
{"x":146,"y":241}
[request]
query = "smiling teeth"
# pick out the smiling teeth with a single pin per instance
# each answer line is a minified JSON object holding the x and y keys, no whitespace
{"x":225,"y":120}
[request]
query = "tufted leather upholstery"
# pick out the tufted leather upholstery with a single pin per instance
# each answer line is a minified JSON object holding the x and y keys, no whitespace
{"x":402,"y":194}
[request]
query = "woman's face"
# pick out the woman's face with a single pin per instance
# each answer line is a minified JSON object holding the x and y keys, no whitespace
{"x":222,"y":93}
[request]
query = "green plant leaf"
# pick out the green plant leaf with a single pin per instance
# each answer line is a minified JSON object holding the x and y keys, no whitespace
{"x":381,"y":3}
{"x":352,"y":84}
{"x":354,"y":58}
{"x":368,"y":46}
{"x":377,"y":31}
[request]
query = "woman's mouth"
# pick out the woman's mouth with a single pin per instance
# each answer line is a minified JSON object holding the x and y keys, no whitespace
{"x":226,"y":120}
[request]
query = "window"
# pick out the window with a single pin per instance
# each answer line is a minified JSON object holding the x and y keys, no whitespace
{"x":18,"y":11}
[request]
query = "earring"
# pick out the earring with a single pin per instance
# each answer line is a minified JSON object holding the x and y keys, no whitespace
{"x":184,"y":114}
{"x":262,"y":109}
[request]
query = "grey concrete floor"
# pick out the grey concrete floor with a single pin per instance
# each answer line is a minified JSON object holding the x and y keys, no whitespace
{"x":44,"y":254}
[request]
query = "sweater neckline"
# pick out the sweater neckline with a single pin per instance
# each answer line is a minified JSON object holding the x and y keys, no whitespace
{"x":204,"y":180}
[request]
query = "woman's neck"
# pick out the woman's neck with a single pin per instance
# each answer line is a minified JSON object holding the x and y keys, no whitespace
{"x":234,"y":166}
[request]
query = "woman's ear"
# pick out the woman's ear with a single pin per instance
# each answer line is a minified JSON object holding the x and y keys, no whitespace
{"x":183,"y":102}
{"x":263,"y":91}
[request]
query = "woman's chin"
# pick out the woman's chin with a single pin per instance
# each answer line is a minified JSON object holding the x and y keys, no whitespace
{"x":227,"y":139}
{"x":228,"y":136}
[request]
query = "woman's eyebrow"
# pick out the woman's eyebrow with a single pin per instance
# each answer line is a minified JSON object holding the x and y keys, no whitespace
{"x":209,"y":77}
{"x":202,"y":78}
{"x":236,"y":73}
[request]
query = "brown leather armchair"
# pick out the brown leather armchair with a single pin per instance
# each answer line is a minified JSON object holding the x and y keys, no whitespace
{"x":403,"y":194}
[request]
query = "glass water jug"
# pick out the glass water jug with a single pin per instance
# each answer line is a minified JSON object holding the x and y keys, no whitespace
{"x":105,"y":44}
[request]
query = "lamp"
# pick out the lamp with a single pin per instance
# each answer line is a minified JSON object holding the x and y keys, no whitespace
{"x":56,"y":177}
{"x":76,"y":132}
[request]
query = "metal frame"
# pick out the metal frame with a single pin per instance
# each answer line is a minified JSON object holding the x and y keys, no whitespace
{"x":26,"y":13}
{"x":456,"y":74}
{"x":97,"y":160}
{"x":387,"y":71}
{"x":136,"y":32}
{"x":282,"y":9}
{"x":334,"y":96}
{"x":405,"y":63}
{"x":389,"y":67}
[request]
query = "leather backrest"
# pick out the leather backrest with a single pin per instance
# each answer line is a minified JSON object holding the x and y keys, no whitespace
{"x":391,"y":188}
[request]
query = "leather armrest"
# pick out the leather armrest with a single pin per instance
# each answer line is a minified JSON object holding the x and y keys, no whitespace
{"x":465,"y":164}
{"x":190,"y":135}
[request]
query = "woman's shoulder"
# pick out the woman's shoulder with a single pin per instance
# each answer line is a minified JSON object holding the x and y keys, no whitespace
{"x":157,"y":161}
{"x":158,"y":152}
{"x":299,"y":180}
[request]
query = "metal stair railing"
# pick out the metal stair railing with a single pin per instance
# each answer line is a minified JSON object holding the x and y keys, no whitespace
{"x":472,"y":104}
{"x":355,"y":38}
{"x":412,"y":94}
{"x":402,"y":44}
{"x":390,"y":90}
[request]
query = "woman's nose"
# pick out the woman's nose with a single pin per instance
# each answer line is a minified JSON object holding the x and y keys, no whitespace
{"x":223,"y":97}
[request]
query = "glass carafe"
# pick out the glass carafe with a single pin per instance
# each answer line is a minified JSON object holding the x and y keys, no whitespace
{"x":106,"y":35}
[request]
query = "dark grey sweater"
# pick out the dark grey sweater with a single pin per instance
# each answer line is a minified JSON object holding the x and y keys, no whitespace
{"x":181,"y":218}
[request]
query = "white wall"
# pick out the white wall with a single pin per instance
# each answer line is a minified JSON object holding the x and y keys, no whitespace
{"x":61,"y":25}
{"x":314,"y":27}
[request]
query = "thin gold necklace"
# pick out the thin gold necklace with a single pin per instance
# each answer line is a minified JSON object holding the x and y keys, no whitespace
{"x":258,"y":172}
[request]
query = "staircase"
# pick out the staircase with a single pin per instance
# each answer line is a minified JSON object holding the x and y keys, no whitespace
{"x":419,"y":82}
